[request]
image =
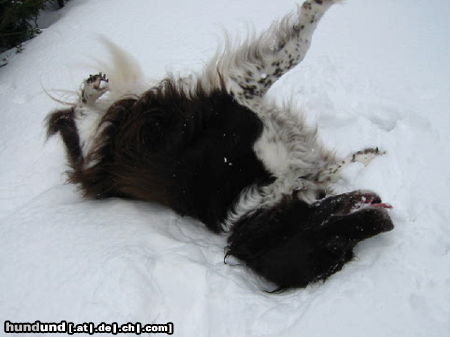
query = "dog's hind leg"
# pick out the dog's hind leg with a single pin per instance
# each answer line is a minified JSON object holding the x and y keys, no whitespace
{"x":78,"y":124}
{"x":250,"y":70}
{"x":62,"y":122}
{"x":93,"y":87}
{"x":88,"y":111}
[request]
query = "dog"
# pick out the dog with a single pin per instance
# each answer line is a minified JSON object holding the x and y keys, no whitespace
{"x":212,"y":146}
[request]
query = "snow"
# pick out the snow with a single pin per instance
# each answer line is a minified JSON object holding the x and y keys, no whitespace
{"x":376,"y":75}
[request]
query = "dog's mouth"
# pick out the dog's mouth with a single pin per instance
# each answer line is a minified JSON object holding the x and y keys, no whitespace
{"x":349,"y":203}
{"x":356,"y":215}
{"x":363,"y":200}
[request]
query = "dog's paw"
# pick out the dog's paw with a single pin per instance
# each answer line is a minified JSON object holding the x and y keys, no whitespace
{"x":309,"y":4}
{"x":93,"y":87}
{"x":367,"y":155}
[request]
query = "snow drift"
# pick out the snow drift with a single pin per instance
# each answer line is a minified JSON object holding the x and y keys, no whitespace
{"x":376,"y":75}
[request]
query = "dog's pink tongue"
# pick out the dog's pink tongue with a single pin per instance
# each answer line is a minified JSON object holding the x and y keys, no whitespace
{"x":382,"y":205}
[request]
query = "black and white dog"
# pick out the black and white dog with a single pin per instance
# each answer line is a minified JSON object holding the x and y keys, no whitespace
{"x":213,"y":147}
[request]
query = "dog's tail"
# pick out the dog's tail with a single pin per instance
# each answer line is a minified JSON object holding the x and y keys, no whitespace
{"x":123,"y":71}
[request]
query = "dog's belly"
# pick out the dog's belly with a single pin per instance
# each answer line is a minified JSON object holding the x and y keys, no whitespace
{"x":217,"y":181}
{"x":197,"y":164}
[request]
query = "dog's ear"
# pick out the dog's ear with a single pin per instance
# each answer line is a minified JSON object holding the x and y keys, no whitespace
{"x":279,"y":244}
{"x":293,"y":244}
{"x":256,"y":233}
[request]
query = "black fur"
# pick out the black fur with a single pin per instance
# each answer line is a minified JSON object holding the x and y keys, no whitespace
{"x":62,"y":121}
{"x":192,"y":150}
{"x":195,"y":155}
{"x":294,"y":243}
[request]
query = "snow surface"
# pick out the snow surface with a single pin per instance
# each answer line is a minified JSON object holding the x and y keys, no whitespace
{"x":377,"y":75}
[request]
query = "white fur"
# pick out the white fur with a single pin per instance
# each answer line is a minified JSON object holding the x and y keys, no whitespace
{"x":124,"y":72}
{"x":286,"y":40}
{"x":125,"y":80}
{"x":87,"y":121}
{"x":287,"y":147}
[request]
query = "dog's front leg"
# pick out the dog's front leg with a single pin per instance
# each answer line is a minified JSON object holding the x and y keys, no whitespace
{"x":331,"y":173}
{"x":249,"y":71}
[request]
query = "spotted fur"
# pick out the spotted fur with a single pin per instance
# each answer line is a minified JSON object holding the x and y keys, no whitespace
{"x":213,"y":147}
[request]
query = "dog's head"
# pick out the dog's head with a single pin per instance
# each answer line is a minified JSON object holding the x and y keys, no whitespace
{"x":293,"y":243}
